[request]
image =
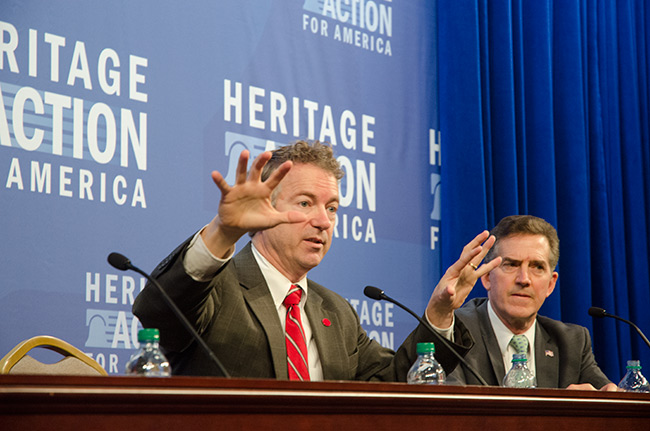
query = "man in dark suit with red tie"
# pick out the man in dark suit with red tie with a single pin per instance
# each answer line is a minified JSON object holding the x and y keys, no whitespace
{"x":287,"y":203}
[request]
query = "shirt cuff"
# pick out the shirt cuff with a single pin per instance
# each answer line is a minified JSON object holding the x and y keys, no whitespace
{"x":199,"y":263}
{"x":448,"y":333}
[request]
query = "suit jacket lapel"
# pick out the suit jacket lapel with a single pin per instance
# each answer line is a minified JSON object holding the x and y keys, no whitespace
{"x":325,"y":336}
{"x":260,"y":301}
{"x":547,"y":363}
{"x":495,"y":365}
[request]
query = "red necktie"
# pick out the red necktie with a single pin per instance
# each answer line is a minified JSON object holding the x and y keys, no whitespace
{"x":295,"y":337}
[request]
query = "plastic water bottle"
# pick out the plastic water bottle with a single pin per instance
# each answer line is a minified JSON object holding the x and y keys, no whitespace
{"x":426,"y":370}
{"x":149,"y":360}
{"x":633,"y":380}
{"x":519,"y":376}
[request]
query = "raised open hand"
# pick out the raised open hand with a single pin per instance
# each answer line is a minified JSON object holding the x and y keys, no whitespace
{"x":459,"y":280}
{"x":247,"y":205}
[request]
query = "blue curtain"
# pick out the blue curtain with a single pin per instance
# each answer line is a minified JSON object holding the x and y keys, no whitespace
{"x":544,"y":111}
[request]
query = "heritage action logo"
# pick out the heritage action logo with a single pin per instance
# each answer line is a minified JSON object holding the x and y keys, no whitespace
{"x":435,"y":160}
{"x":364,"y":24}
{"x":112,"y":328}
{"x":73,"y":128}
{"x":351,"y":135}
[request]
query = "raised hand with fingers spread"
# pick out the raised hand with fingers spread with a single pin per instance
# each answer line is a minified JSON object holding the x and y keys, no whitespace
{"x":459,"y":280}
{"x":247,"y":205}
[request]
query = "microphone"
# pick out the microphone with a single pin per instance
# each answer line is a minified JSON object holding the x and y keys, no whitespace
{"x":378,"y":294}
{"x":600,"y":312}
{"x":121,"y":262}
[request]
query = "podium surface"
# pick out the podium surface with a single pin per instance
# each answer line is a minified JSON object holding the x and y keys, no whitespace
{"x":187,"y":403}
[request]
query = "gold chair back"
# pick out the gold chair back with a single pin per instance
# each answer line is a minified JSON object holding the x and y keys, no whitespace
{"x":75,"y":362}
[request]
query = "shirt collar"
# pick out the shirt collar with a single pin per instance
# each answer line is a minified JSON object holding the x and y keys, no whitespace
{"x":504,"y":335}
{"x":278,"y":284}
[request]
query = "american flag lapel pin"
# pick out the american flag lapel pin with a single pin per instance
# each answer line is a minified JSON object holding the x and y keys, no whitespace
{"x":549,"y":353}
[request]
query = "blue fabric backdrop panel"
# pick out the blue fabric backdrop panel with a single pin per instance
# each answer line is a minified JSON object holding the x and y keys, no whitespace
{"x":114,"y":114}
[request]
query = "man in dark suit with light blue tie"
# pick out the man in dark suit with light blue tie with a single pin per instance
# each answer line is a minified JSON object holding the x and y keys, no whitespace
{"x":527,"y":252}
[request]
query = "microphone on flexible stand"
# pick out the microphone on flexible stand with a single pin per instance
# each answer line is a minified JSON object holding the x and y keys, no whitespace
{"x":121,"y":262}
{"x":600,"y":312}
{"x":378,"y":294}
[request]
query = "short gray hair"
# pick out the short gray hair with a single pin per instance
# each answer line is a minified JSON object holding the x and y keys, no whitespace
{"x":526,"y":225}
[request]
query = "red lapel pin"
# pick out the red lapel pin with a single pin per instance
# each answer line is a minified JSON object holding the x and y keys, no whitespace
{"x":327,"y":322}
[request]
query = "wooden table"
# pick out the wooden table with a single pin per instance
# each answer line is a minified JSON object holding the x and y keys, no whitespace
{"x":184,"y":403}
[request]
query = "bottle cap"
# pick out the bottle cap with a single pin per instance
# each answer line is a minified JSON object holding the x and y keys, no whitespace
{"x":426,"y":348}
{"x":148,"y":334}
{"x":519,"y":357}
{"x":633,"y":365}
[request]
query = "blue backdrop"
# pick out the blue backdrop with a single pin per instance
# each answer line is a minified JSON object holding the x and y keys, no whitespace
{"x":115,"y":113}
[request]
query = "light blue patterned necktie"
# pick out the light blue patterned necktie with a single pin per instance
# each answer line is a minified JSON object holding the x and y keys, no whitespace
{"x":520,"y":344}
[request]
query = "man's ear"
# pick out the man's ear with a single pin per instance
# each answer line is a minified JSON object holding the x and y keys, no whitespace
{"x":551,"y":284}
{"x":485,"y":279}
